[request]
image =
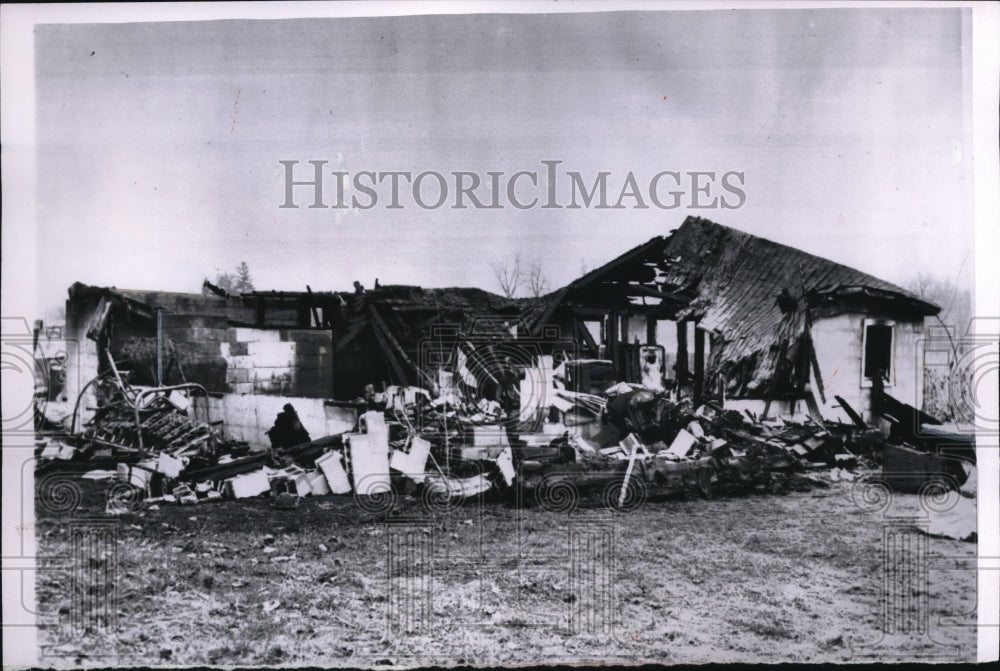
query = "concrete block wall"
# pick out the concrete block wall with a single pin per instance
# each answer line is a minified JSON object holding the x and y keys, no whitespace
{"x":286,"y":362}
{"x":224,"y":359}
{"x":253,"y":372}
{"x":193,"y":304}
{"x":82,"y":362}
{"x":313,"y":373}
{"x":195,"y":341}
{"x":296,"y":362}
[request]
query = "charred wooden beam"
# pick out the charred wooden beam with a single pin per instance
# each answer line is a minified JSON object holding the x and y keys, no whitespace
{"x":699,"y":364}
{"x":681,"y":367}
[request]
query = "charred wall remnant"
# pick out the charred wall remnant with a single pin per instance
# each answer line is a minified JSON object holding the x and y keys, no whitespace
{"x":708,"y":312}
{"x":754,"y":319}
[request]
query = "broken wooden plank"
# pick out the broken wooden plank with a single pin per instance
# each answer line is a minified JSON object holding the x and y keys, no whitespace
{"x":855,"y":417}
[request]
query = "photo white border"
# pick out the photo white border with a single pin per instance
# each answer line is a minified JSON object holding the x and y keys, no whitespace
{"x":19,"y":251}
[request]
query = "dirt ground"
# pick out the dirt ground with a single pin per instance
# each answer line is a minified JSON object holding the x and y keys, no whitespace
{"x":829,"y":575}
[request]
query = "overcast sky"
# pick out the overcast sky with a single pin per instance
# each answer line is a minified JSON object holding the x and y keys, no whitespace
{"x":158,"y":143}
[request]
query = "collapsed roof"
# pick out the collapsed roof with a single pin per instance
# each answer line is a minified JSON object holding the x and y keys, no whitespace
{"x":401,"y":317}
{"x":377,"y":333}
{"x":755,"y":296}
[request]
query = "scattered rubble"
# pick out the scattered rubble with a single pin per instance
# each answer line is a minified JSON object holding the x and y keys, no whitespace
{"x":626,"y":443}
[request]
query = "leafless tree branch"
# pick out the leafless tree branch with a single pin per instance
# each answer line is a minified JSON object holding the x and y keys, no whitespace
{"x":537,"y":284}
{"x":509,"y":275}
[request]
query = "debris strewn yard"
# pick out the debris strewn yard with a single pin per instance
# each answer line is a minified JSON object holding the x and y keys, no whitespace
{"x":487,"y":490}
{"x":770,"y":578}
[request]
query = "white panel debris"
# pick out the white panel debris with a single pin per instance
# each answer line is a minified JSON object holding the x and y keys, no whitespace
{"x":248,"y":484}
{"x":412,"y":463}
{"x":332,"y":466}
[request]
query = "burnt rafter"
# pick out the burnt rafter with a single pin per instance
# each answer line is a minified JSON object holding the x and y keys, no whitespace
{"x":676,"y":298}
{"x":632,"y":273}
{"x":748,"y":292}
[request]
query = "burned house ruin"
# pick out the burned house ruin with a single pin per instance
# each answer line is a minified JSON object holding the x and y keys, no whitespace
{"x":707,"y":311}
{"x":748,"y":322}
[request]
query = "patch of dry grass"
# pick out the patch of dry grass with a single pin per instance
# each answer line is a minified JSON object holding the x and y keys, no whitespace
{"x":761,"y":578}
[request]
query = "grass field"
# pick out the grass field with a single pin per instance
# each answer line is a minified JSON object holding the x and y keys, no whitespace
{"x":754,"y":578}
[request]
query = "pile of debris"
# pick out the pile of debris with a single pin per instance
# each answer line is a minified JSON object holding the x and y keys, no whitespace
{"x":412,"y":440}
{"x":649,"y":442}
{"x":161,"y":452}
{"x":625,"y":442}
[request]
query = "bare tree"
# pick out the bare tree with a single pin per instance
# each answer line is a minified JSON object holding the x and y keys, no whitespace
{"x":940,"y":382}
{"x":509,"y":275}
{"x":537,"y":284}
{"x":955,"y":302}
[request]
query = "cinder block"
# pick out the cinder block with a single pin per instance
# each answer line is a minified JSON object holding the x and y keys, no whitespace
{"x":251,"y":335}
{"x":247,"y":485}
{"x":318,"y":483}
{"x":241,"y":362}
{"x":332,"y":467}
{"x":311,"y":416}
{"x":244,"y":334}
{"x":370,"y":461}
{"x":266,"y":354}
{"x":261,"y":347}
{"x":202,"y":350}
{"x":414,"y":462}
{"x":237,"y":375}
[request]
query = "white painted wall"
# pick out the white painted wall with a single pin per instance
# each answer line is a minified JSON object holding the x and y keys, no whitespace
{"x":248,"y":417}
{"x":839,"y":347}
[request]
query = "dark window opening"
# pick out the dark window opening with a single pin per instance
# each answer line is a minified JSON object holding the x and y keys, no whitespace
{"x":878,"y":351}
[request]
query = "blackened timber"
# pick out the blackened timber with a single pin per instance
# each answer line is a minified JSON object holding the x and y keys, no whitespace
{"x":605,"y":296}
{"x":312,"y":307}
{"x":681,"y":367}
{"x":583,"y":335}
{"x":699,"y":364}
{"x":389,"y":354}
{"x":228,"y":470}
{"x":644,"y":290}
{"x":309,"y":451}
{"x":612,"y":338}
{"x":855,"y":417}
{"x":815,"y":367}
{"x":261,"y":311}
{"x":382,"y":330}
